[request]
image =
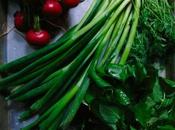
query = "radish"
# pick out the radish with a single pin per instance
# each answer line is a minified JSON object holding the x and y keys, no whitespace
{"x":37,"y":36}
{"x":52,"y":7}
{"x":19,"y":20}
{"x":41,"y":37}
{"x":71,"y":3}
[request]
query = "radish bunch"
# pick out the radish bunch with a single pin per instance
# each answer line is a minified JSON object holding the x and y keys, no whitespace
{"x":29,"y":9}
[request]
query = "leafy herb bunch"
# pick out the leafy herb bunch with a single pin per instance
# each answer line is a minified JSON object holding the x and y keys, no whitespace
{"x":156,"y":34}
{"x":140,"y":98}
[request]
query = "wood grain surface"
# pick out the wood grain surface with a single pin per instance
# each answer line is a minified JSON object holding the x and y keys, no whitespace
{"x":3,"y":28}
{"x":3,"y":115}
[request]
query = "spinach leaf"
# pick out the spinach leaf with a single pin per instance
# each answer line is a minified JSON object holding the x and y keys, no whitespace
{"x":109,"y":114}
{"x":143,"y":111}
{"x":170,"y":83}
{"x":157,"y":93}
{"x":121,"y":97}
{"x":117,"y":71}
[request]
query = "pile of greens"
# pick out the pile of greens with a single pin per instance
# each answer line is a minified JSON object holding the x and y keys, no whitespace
{"x":102,"y":73}
{"x":155,"y":38}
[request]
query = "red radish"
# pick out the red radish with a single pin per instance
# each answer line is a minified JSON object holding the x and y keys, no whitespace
{"x":52,"y":7}
{"x":71,"y":3}
{"x":37,"y":36}
{"x":40,"y":37}
{"x":19,"y":20}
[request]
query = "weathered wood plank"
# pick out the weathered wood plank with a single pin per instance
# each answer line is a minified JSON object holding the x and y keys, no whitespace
{"x":3,"y":16}
{"x":3,"y":115}
{"x":3,"y":27}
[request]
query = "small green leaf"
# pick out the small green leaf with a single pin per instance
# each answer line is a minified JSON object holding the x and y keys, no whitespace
{"x":131,"y":71}
{"x":118,"y":71}
{"x":123,"y":72}
{"x":121,"y":97}
{"x":113,"y":126}
{"x":140,"y":71}
{"x":167,"y":102}
{"x":164,"y":115}
{"x":109,"y":114}
{"x":169,"y":82}
{"x":166,"y":127}
{"x":132,"y":128}
{"x":143,"y":111}
{"x":89,"y":97}
{"x":168,"y":86}
{"x":152,"y":121}
{"x":157,"y":93}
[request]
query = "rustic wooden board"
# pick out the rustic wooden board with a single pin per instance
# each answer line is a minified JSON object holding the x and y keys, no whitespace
{"x":3,"y":29}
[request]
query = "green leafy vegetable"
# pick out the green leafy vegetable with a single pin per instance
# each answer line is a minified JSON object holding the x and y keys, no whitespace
{"x":108,"y":62}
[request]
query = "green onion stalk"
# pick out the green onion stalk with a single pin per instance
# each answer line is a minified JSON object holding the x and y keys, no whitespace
{"x":55,"y":79}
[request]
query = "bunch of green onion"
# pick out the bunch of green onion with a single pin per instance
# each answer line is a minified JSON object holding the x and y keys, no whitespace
{"x":55,"y":79}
